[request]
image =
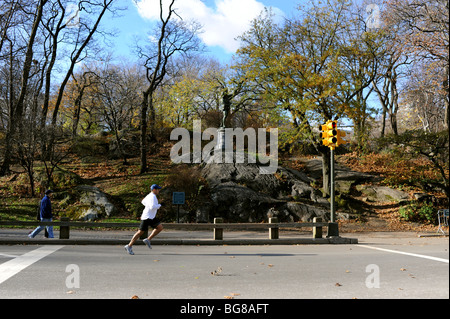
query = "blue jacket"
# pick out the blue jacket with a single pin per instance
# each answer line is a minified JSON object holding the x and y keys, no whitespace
{"x":46,"y":208}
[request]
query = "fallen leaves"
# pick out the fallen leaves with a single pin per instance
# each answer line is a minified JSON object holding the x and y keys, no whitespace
{"x":217,"y":272}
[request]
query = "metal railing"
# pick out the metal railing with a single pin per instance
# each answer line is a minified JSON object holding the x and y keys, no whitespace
{"x":218,"y":226}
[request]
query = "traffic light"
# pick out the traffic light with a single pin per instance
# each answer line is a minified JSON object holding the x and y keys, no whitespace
{"x":329,"y":134}
{"x":340,"y":140}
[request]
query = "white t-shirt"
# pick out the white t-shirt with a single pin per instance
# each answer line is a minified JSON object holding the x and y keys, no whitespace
{"x":151,"y":206}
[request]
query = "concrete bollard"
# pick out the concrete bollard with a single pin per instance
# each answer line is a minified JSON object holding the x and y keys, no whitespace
{"x":218,"y":232}
{"x":317,"y":231}
{"x":274,"y":232}
{"x":64,"y":230}
{"x":333,"y":230}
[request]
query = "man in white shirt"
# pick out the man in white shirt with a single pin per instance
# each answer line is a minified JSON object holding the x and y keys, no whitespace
{"x":148,"y":218}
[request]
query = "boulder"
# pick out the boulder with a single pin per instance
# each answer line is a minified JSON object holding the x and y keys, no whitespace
{"x":345,"y":178}
{"x":93,"y":204}
{"x":239,"y":193}
{"x":375,"y":193}
{"x":239,"y":203}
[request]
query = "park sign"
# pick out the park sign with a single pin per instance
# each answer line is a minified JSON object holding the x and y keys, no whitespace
{"x":178,"y":198}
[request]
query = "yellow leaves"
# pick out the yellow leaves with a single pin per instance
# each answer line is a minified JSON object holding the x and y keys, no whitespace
{"x":232,"y":295}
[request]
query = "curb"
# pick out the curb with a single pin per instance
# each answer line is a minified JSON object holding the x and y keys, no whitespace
{"x":187,"y":242}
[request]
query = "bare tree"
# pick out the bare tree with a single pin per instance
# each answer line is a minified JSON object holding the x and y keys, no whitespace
{"x":85,"y":80}
{"x":85,"y":33}
{"x":116,"y":93}
{"x":80,"y":46}
{"x":387,"y":86}
{"x":174,"y":36}
{"x":425,"y":33}
{"x":17,"y":110}
{"x":36,"y":32}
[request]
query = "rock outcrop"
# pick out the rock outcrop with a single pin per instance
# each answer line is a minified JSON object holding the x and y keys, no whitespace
{"x":239,"y":193}
{"x":92,"y":204}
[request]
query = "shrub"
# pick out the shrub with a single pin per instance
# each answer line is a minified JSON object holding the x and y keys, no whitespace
{"x":90,"y":147}
{"x":188,"y":179}
{"x":421,"y":213}
{"x":60,"y":180}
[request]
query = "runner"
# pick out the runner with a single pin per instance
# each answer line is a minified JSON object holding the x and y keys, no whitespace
{"x":148,"y":218}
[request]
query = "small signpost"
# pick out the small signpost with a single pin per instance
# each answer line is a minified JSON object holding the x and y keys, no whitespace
{"x":178,"y":198}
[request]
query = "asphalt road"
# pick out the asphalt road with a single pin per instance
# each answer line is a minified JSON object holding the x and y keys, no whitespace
{"x":380,"y":266}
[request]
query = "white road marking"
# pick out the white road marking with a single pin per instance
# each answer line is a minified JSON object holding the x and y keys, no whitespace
{"x":16,"y":265}
{"x":405,"y":253}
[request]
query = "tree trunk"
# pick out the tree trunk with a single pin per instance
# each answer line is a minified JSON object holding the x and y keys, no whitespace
{"x":393,"y":120}
{"x":446,"y":98}
{"x":151,"y":108}
{"x":326,"y":163}
{"x":143,"y":124}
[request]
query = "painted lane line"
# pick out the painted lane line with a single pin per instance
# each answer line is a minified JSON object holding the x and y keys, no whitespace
{"x":16,"y":265}
{"x":404,"y":253}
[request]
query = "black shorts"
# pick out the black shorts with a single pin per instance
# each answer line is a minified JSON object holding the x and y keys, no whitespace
{"x":149,"y":222}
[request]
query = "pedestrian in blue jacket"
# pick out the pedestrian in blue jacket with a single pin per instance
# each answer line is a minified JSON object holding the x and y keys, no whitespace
{"x":46,"y":215}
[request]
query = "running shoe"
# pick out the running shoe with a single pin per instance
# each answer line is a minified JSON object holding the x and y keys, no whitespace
{"x":147,"y":242}
{"x":129,"y":250}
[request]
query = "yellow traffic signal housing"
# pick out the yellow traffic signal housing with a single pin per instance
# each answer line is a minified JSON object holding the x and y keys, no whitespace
{"x":331,"y":125}
{"x":340,"y":140}
{"x":329,"y":134}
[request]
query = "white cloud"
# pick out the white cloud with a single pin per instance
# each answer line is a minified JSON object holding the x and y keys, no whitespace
{"x":221,"y":25}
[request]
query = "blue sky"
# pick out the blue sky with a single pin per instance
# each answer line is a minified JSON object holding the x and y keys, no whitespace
{"x":223,"y":21}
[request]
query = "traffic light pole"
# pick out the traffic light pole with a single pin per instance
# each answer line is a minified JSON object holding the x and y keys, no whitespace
{"x":332,"y":138}
{"x":333,"y":227}
{"x":332,"y":202}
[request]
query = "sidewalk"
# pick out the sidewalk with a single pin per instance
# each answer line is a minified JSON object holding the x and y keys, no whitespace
{"x":19,"y":236}
{"x":9,"y":236}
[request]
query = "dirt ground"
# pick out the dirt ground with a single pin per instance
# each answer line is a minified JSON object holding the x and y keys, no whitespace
{"x":385,"y":218}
